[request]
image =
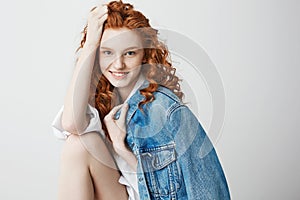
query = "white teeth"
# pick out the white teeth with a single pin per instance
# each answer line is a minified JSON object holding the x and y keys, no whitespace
{"x":119,"y":74}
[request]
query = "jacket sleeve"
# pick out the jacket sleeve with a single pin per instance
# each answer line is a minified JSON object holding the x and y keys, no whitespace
{"x":203,"y":176}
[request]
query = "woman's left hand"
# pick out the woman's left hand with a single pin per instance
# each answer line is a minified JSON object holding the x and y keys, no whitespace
{"x":117,"y":132}
{"x":117,"y":128}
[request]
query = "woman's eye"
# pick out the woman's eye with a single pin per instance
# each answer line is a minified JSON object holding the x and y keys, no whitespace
{"x":130,"y":53}
{"x":107,"y":53}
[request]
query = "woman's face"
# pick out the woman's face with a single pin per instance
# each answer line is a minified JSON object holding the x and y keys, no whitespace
{"x":120,"y":57}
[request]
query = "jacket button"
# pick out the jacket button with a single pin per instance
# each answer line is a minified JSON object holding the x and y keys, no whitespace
{"x":141,"y":179}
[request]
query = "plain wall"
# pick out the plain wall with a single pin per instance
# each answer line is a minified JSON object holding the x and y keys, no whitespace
{"x":254,"y":45}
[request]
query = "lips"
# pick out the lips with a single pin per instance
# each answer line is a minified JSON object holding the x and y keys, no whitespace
{"x":118,"y":75}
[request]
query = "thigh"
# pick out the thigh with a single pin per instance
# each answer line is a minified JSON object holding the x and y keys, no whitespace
{"x":75,"y":182}
{"x":104,"y":173}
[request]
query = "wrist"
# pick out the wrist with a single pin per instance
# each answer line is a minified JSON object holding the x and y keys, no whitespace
{"x":90,"y":46}
{"x":120,"y":148}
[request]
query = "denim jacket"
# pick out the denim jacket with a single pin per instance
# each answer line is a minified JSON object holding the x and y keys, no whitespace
{"x":170,"y":145}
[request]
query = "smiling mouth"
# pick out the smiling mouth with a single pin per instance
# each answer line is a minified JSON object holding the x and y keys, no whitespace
{"x":118,"y":74}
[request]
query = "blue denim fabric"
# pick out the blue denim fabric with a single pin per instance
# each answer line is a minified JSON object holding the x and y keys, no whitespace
{"x":176,"y":160}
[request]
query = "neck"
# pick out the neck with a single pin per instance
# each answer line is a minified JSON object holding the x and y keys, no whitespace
{"x":123,"y":94}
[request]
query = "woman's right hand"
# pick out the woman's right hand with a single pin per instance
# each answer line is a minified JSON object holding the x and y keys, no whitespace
{"x":96,"y":18}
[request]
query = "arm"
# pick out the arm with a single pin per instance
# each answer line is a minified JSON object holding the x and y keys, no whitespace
{"x":76,"y":99}
{"x":203,"y":175}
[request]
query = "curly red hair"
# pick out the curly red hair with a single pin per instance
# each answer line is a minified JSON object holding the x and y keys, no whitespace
{"x":157,"y":68}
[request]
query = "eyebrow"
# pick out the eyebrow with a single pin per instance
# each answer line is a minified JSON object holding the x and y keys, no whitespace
{"x":133,"y":47}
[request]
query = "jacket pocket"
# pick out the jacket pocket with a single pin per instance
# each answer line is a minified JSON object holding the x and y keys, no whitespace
{"x":161,"y":169}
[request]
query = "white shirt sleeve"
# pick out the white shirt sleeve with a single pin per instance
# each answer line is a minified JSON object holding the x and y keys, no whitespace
{"x":94,"y":124}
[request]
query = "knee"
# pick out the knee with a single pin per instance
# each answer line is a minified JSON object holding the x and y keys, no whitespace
{"x":97,"y":149}
{"x":74,"y":150}
{"x":85,"y":149}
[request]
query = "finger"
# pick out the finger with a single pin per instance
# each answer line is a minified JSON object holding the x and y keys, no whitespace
{"x":123,"y":114}
{"x":103,"y":8}
{"x":93,"y":9}
{"x":121,"y":122}
{"x":113,"y":111}
{"x":110,"y":122}
{"x":103,"y":18}
{"x":99,"y":10}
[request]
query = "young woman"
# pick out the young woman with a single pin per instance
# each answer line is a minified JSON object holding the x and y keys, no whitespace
{"x":128,"y":134}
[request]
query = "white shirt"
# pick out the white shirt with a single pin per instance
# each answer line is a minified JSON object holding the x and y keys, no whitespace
{"x":128,"y":178}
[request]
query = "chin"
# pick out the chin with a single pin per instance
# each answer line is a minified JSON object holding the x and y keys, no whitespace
{"x":118,"y":85}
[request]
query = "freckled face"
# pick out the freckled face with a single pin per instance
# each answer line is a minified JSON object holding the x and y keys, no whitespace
{"x":120,"y":57}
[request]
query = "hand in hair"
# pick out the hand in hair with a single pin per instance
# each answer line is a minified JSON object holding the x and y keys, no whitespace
{"x":96,"y":18}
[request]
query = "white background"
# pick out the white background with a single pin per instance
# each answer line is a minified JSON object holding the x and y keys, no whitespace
{"x":254,"y":44}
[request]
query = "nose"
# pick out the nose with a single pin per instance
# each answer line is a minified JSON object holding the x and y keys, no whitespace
{"x":119,"y":63}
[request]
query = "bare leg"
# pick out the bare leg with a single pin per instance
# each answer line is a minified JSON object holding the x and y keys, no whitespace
{"x":88,"y":174}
